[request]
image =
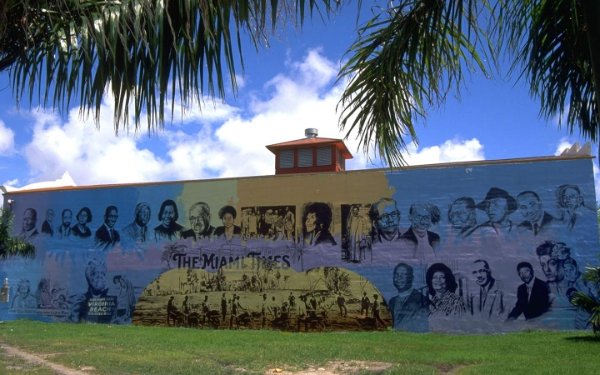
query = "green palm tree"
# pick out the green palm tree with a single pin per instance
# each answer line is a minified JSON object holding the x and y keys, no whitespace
{"x":145,"y":53}
{"x":406,"y":59}
{"x":589,"y":303}
{"x":11,"y":246}
{"x":414,"y":53}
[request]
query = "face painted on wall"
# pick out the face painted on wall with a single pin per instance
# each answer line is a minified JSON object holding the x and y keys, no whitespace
{"x":228,"y":220}
{"x":571,"y":271}
{"x":198,"y":219}
{"x":460,"y":215}
{"x":525,"y":274}
{"x":551,"y":268}
{"x":572,"y":198}
{"x":111,"y":218}
{"x":67,"y":216}
{"x":389,"y":218}
{"x":481,"y":274}
{"x":420,"y":218}
{"x":497,"y":209}
{"x":29,"y":220}
{"x":402,"y":279}
{"x":82,"y":218}
{"x":23,"y":287}
{"x":530,"y":207}
{"x":168,"y":215}
{"x":50,"y":215}
{"x":96,"y":277}
{"x":438,"y":282}
{"x":311,"y":222}
{"x":143,"y":216}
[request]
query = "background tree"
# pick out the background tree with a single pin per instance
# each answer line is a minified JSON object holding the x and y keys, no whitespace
{"x":589,"y":303}
{"x":9,"y":245}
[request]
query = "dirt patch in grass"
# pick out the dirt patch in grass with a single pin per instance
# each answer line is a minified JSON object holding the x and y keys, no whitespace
{"x":331,"y":368}
{"x":336,"y":368}
{"x":38,"y":360}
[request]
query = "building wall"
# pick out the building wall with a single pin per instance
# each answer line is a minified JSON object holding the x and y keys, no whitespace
{"x":440,"y":248}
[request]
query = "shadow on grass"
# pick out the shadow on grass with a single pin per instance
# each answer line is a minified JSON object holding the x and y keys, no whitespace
{"x":591,"y":338}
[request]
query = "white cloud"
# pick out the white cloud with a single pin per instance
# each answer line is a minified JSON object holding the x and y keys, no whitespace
{"x":89,"y":154}
{"x":301,"y":98}
{"x":7,"y":139}
{"x":64,"y":180}
{"x":221,"y":140}
{"x":563,"y":144}
{"x":453,"y":150}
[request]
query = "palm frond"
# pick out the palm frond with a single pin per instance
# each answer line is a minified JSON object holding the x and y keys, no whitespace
{"x":11,"y":246}
{"x":406,"y":59}
{"x":146,"y":53}
{"x":557,"y":46}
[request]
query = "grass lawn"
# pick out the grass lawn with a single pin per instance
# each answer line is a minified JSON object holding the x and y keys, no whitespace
{"x":156,"y":350}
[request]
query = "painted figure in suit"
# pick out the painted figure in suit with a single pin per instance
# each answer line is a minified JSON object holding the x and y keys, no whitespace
{"x":199,"y":216}
{"x":570,"y":202}
{"x":487,"y":301}
{"x":409,"y":308}
{"x":29,"y":230}
{"x":533,"y":296}
{"x":138,"y":229}
{"x":47,"y":224}
{"x":422,"y":216}
{"x":385,"y":216}
{"x":536,"y":219}
{"x":107,"y":236}
{"x":64,"y":230}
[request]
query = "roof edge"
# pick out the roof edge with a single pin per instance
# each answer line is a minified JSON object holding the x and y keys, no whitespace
{"x":395,"y":169}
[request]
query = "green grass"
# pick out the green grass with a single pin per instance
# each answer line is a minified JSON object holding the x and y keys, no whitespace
{"x":157,"y":350}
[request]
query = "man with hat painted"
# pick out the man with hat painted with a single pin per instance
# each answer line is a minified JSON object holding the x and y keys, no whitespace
{"x":498,"y":205}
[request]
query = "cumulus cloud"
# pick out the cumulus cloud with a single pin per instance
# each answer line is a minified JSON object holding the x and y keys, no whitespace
{"x":452,"y":150}
{"x":563,"y":144}
{"x":64,"y":180}
{"x":89,"y":154}
{"x":212,"y":140}
{"x":218,"y":140}
{"x":7,"y":139}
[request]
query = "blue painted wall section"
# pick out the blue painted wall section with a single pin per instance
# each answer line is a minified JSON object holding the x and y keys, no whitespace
{"x":471,"y":247}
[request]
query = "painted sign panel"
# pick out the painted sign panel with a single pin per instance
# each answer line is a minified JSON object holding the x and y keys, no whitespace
{"x":488,"y":246}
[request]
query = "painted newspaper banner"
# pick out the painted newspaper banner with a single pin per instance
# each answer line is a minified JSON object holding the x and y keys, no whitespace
{"x":485,"y":246}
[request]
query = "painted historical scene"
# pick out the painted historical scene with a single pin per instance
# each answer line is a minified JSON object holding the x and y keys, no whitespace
{"x":261,"y":294}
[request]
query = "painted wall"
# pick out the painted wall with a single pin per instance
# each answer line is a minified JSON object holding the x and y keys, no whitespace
{"x":494,"y":246}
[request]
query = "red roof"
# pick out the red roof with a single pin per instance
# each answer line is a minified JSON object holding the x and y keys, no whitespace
{"x":314,"y":141}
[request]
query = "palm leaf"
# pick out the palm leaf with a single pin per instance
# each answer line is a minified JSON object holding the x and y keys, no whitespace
{"x":405,"y":60}
{"x":11,"y":246}
{"x":146,"y":54}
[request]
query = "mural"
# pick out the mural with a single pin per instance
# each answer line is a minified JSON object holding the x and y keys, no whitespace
{"x":259,"y":294}
{"x":484,"y":247}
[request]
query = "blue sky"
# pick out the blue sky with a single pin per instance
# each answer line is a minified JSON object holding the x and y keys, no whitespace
{"x":284,"y":88}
